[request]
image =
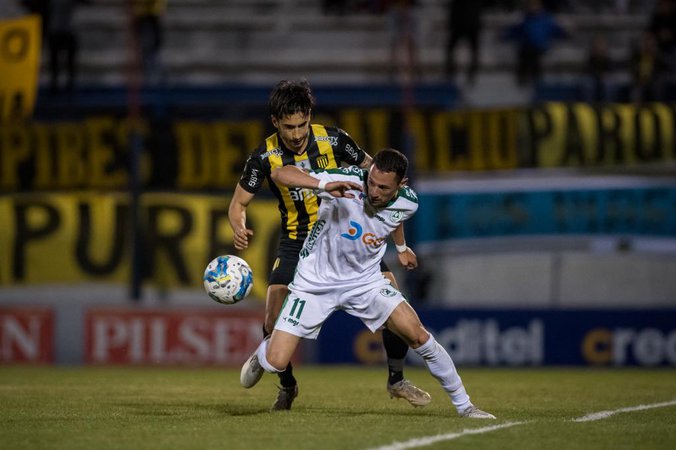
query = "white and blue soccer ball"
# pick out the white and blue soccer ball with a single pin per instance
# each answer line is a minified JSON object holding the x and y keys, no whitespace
{"x":228,"y":279}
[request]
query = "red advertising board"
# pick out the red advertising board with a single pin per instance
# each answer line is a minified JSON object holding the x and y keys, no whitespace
{"x":171,"y":337}
{"x":26,"y":335}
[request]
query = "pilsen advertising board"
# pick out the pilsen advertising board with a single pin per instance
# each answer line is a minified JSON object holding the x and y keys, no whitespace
{"x":226,"y":337}
{"x":209,"y":154}
{"x":27,"y":335}
{"x":171,"y":337}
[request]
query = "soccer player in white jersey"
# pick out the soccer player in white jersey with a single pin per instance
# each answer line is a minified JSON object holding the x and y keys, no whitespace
{"x":339,"y":269}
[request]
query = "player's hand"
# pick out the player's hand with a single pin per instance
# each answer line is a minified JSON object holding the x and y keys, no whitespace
{"x":408,"y":259}
{"x":241,"y":238}
{"x":340,"y":188}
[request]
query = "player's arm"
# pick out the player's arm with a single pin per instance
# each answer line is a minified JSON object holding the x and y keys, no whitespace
{"x":366,"y":163}
{"x":237,"y":217}
{"x":293,"y":176}
{"x":406,"y":256}
{"x":351,"y":153}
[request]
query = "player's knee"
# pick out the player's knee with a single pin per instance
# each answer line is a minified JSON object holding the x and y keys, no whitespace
{"x":277,"y":360}
{"x":419,"y":338}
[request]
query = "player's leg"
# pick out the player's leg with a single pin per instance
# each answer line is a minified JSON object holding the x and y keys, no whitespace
{"x":280,"y":277}
{"x":405,"y":322}
{"x":396,"y":349}
{"x":272,"y":355}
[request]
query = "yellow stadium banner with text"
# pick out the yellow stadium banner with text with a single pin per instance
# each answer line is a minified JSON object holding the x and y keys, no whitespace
{"x":20,"y":44}
{"x":83,"y":237}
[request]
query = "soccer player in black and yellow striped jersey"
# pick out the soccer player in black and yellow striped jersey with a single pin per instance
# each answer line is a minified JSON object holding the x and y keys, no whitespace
{"x":311,"y":146}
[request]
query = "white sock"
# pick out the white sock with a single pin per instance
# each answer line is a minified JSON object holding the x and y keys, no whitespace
{"x":441,"y":366}
{"x":262,"y":360}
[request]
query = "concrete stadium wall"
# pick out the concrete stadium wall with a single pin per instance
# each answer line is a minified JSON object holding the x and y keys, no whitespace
{"x":573,"y":279}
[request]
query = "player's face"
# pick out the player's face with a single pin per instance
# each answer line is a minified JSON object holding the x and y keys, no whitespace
{"x":382,"y":186}
{"x":294,"y":131}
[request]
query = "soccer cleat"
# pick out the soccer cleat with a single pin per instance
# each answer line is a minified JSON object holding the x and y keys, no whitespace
{"x":414,"y":395}
{"x":285,"y":398}
{"x":475,"y":413}
{"x":251,"y":372}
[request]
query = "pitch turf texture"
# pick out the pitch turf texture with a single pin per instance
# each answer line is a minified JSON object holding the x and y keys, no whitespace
{"x":338,"y":408}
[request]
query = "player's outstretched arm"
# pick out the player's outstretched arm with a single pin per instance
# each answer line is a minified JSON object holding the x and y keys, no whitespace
{"x":293,"y":176}
{"x":237,"y":217}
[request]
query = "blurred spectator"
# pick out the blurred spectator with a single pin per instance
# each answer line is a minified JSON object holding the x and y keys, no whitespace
{"x":464,"y":23}
{"x":149,"y":31}
{"x":644,"y":60}
{"x":663,"y":27}
{"x":42,"y":9}
{"x":533,"y":35}
{"x":62,"y":42}
{"x":339,"y":7}
{"x":403,"y":27}
{"x":598,"y":69}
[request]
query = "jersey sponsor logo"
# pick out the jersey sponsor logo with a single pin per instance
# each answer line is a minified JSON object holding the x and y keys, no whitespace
{"x":351,"y":151}
{"x":312,"y":238}
{"x":323,"y":161}
{"x":300,"y":194}
{"x":253,"y":179}
{"x":352,"y":170}
{"x":333,"y":140}
{"x":354,"y":232}
{"x":275,"y":151}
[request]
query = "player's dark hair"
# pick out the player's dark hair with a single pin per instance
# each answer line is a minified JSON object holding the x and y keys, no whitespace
{"x":290,"y":97}
{"x":391,"y":160}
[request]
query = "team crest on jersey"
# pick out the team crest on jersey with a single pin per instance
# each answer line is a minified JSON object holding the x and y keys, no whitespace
{"x":396,"y":216}
{"x":323,"y":161}
{"x":333,"y":140}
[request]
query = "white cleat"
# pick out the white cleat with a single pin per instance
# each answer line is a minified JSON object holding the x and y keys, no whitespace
{"x":409,"y":392}
{"x":251,"y":372}
{"x":475,"y":413}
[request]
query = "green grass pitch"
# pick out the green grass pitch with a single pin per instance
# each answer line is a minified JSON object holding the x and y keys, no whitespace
{"x":339,"y":407}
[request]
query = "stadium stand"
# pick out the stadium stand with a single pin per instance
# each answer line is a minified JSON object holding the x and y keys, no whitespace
{"x":209,"y":41}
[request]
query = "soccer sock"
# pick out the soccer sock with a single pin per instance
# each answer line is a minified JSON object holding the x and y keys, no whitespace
{"x":396,"y":350}
{"x":286,"y":378}
{"x":262,"y":360}
{"x":441,"y":366}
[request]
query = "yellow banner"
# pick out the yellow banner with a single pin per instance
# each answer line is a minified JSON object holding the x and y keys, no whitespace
{"x":83,"y":237}
{"x":20,"y":44}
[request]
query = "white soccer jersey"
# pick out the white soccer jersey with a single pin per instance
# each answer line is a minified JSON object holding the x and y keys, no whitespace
{"x":349,"y":238}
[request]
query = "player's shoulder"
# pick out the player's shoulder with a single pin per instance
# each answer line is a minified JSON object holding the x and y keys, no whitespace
{"x":329,"y":132}
{"x":347,"y":171}
{"x":264,"y":151}
{"x":408,"y":194}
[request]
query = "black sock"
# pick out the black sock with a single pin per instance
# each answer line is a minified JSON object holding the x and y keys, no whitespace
{"x":396,"y":350}
{"x":286,"y":378}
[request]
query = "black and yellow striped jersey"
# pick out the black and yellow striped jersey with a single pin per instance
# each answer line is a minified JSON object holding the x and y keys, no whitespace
{"x":328,"y":148}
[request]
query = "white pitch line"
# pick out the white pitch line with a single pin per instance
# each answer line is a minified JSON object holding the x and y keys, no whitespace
{"x":429,"y":440}
{"x":605,"y":414}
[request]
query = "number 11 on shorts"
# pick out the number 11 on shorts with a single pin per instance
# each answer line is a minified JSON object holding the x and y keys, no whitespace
{"x":297,"y":303}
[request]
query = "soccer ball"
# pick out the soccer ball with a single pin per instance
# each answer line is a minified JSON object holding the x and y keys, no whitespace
{"x":228,"y":279}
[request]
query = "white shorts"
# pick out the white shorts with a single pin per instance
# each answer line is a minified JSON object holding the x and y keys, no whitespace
{"x":303,"y":314}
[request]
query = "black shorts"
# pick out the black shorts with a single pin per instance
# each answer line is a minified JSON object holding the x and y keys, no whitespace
{"x":287,"y":259}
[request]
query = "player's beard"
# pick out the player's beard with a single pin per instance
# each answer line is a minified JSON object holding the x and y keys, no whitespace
{"x":297,"y":145}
